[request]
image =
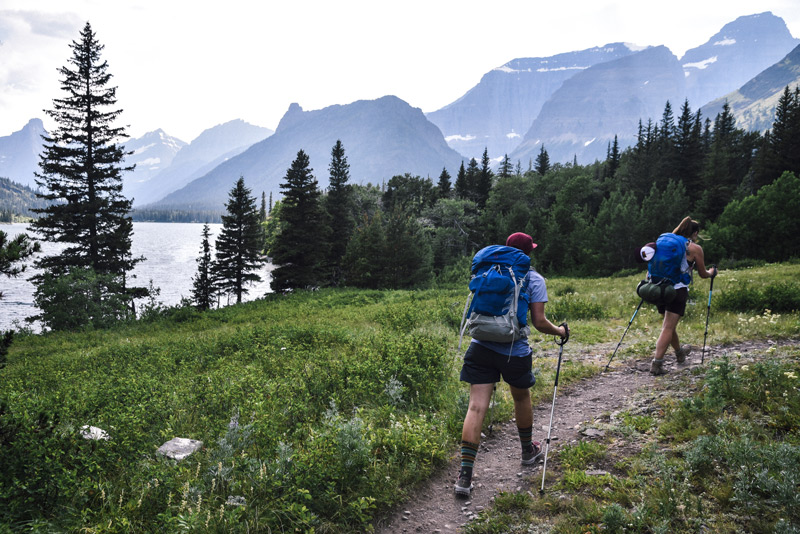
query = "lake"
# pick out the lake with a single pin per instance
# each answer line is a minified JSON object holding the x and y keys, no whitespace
{"x":171,"y":250}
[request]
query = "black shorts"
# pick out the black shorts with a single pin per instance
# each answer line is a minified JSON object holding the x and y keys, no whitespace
{"x":678,"y":305}
{"x":484,"y":366}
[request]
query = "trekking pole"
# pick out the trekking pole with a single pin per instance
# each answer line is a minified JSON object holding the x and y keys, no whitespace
{"x":623,"y":335}
{"x":553,"y":407}
{"x":491,"y":409}
{"x":708,"y":312}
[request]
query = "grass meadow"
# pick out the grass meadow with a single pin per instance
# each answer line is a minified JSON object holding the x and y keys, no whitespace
{"x":319,"y":410}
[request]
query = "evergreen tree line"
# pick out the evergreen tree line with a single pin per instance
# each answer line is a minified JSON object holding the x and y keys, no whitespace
{"x":17,"y":200}
{"x":587,"y":219}
{"x":178,"y":215}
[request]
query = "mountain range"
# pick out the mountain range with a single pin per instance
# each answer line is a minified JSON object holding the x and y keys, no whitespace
{"x":583,"y":115}
{"x":179,"y":167}
{"x":382,"y":138}
{"x":572,"y":104}
{"x":754,"y":103}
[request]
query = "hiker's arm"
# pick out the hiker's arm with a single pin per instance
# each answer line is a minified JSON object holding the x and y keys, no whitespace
{"x":542,"y":324}
{"x":698,"y":258}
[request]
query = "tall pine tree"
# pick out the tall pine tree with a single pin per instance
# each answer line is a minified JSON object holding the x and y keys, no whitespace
{"x":461,"y":186}
{"x":80,"y":176}
{"x":483,"y":184}
{"x":339,"y":207}
{"x":542,"y":162}
{"x":444,"y":186}
{"x":299,"y":249}
{"x":240,"y":243}
{"x":505,"y":170}
{"x":203,"y":290}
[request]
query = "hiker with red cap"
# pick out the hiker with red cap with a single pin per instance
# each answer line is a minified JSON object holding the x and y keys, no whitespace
{"x":487,"y":359}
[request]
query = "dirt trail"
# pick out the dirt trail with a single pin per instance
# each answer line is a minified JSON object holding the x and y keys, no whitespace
{"x":434,"y":507}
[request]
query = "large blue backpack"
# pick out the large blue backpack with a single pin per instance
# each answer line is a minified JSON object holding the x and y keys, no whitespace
{"x":498,"y":308}
{"x":668,"y":258}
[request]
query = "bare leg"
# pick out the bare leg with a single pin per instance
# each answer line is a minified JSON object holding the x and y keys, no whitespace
{"x":669,"y":334}
{"x":523,"y":410}
{"x":479,"y":397}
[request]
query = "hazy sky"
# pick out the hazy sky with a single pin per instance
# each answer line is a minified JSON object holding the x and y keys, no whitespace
{"x":185,"y":66}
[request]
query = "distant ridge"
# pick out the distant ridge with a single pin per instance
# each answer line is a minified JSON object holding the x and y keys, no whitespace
{"x":605,"y":100}
{"x":19,"y":153}
{"x":382,"y":138}
{"x":753,"y":105}
{"x":496,"y":113}
{"x":209,"y":149}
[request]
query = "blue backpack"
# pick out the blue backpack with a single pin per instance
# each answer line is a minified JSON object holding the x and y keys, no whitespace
{"x":498,"y":309}
{"x":669,"y":256}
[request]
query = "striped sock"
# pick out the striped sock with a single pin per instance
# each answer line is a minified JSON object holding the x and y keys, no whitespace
{"x":526,"y":438}
{"x":469,"y":451}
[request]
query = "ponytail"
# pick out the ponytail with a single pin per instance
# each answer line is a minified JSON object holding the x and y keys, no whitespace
{"x":687,"y":227}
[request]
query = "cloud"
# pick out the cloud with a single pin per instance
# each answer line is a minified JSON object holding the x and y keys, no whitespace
{"x":31,"y":50}
{"x":19,"y":23}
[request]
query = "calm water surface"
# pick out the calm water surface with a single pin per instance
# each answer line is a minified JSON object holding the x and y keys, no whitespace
{"x":171,"y":250}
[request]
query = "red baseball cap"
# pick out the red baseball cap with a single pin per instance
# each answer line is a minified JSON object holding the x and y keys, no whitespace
{"x":522,"y":241}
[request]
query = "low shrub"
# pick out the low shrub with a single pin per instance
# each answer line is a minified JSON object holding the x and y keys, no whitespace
{"x":778,"y":297}
{"x":572,"y":307}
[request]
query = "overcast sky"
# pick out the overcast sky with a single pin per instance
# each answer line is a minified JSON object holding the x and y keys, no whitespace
{"x":187,"y":65}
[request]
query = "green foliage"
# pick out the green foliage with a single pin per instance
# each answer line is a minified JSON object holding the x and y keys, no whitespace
{"x":80,"y":299}
{"x":778,"y":297}
{"x":339,"y":205}
{"x":275,"y":389}
{"x":389,"y":253}
{"x":408,"y":194}
{"x":320,"y":409}
{"x":81,"y":182}
{"x":581,"y":455}
{"x":300,"y":249}
{"x":238,"y":246}
{"x":572,"y":307}
{"x":758,"y":226}
{"x":15,"y":251}
{"x":203,"y":287}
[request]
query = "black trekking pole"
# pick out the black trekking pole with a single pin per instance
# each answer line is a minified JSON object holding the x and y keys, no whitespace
{"x":553,"y":407}
{"x":490,"y":430}
{"x":708,"y":312}
{"x":623,"y":335}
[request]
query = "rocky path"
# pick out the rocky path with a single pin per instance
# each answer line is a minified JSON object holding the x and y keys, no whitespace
{"x":435,"y":509}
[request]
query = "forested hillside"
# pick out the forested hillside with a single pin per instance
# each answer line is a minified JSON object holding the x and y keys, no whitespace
{"x":17,"y":200}
{"x":741,"y":186}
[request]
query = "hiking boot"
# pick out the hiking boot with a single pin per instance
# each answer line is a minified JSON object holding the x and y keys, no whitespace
{"x":657,"y":367}
{"x":532,"y":456}
{"x":463,"y":485}
{"x":682,"y":353}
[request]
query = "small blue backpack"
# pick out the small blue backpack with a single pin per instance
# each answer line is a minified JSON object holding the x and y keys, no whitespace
{"x":498,"y":309}
{"x":668,"y":258}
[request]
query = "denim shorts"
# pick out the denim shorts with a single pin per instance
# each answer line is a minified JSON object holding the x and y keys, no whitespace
{"x":678,"y":305}
{"x":485,"y":366}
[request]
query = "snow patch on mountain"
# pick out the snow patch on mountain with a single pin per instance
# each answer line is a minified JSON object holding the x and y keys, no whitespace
{"x":144,"y":148}
{"x":560,"y":69}
{"x":512,"y":135}
{"x":725,"y":42}
{"x":700,"y":64}
{"x":450,"y":138}
{"x":634,"y":47}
